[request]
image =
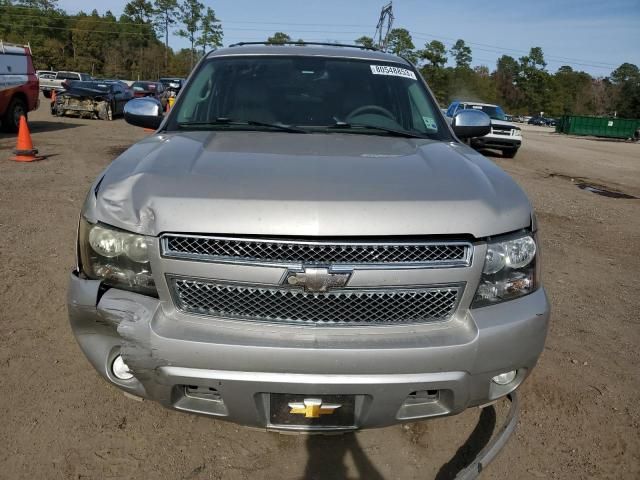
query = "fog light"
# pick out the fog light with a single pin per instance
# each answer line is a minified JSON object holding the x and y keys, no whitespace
{"x":504,"y":378}
{"x":121,"y":369}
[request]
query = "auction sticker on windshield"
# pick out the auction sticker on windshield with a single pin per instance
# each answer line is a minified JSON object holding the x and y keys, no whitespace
{"x":393,"y":71}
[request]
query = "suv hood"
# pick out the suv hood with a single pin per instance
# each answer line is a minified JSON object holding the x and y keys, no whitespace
{"x":283,"y":184}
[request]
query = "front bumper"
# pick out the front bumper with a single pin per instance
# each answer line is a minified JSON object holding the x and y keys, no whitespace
{"x":497,"y":141}
{"x":172,"y":354}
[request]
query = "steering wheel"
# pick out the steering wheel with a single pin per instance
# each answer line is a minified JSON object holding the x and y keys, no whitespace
{"x":371,"y":109}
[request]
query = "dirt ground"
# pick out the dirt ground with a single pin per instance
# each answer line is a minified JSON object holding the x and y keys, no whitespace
{"x":580,"y":408}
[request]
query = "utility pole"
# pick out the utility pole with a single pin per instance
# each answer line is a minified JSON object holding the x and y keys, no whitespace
{"x":386,"y":17}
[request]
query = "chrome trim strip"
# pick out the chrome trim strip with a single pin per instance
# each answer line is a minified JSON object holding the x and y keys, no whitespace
{"x":335,"y":267}
{"x":172,"y":374}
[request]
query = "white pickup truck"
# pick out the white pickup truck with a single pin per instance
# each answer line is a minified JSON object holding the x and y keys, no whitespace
{"x":47,"y":85}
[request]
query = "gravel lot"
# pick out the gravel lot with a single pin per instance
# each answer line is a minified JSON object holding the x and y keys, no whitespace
{"x":580,"y":409}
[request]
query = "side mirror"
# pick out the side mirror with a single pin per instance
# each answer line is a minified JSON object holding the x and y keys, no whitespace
{"x":145,"y":112}
{"x":471,"y":123}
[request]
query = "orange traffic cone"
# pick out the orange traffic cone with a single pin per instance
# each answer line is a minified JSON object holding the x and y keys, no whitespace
{"x":24,"y":151}
{"x":53,"y":96}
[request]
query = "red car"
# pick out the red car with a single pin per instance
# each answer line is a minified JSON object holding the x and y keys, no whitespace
{"x":150,"y":89}
{"x":19,"y":85}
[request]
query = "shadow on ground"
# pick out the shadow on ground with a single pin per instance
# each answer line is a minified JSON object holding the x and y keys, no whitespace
{"x":41,"y":127}
{"x":327,"y":454}
{"x":492,"y":153}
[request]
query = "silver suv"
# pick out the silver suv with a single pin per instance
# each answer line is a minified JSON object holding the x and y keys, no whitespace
{"x":306,"y":244}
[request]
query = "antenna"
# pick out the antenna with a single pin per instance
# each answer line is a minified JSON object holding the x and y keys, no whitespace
{"x":386,"y":16}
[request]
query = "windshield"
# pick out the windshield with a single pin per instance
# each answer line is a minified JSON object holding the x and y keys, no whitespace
{"x":67,"y":76}
{"x":99,"y":86}
{"x":493,"y":111}
{"x":314,"y":93}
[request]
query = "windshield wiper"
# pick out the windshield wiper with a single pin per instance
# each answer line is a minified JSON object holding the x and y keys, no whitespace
{"x":254,"y":123}
{"x":350,"y":126}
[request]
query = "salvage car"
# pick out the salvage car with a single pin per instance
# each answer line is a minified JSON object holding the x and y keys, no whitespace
{"x":94,"y":99}
{"x":306,"y":244}
{"x":504,"y":135}
{"x":172,"y":83}
{"x":150,"y":89}
{"x":537,"y":120}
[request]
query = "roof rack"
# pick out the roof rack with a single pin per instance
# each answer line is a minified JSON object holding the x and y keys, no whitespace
{"x":302,"y":43}
{"x":4,"y":45}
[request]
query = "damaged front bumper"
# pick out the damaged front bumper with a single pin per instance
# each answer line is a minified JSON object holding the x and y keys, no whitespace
{"x":187,"y":363}
{"x":82,"y":107}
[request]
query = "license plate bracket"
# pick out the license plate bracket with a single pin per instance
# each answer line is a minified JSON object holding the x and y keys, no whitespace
{"x":280,"y":411}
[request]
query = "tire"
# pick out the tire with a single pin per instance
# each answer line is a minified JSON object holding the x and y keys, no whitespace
{"x":11,"y":119}
{"x":509,"y":153}
{"x":105,"y":112}
{"x":46,"y":93}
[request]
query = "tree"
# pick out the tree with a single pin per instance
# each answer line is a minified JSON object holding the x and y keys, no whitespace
{"x":536,"y":58}
{"x":534,"y":81}
{"x":365,"y":42}
{"x":165,"y":14}
{"x":625,"y":81}
{"x":140,"y":11}
{"x":434,"y":72}
{"x":88,"y":41}
{"x":399,"y":42}
{"x":435,"y":53}
{"x":572,"y":92}
{"x":505,"y":78}
{"x":211,"y":29}
{"x":279,"y":38}
{"x":190,"y":16}
{"x":461,"y":54}
{"x":46,"y":5}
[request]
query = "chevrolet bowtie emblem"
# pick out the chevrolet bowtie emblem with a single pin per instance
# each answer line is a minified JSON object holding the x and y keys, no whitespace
{"x":313,"y":408}
{"x":317,"y":279}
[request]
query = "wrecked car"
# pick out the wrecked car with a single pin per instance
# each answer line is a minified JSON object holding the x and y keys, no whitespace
{"x":95,"y":99}
{"x":306,"y":244}
{"x":155,"y":90}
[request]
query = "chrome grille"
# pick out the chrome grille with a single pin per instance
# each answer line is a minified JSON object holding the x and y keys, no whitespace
{"x":290,"y":252}
{"x":343,"y":307}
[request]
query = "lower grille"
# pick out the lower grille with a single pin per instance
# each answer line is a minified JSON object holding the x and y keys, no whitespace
{"x":343,"y":307}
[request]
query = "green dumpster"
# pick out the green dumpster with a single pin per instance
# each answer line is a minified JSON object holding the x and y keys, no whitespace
{"x":609,"y":127}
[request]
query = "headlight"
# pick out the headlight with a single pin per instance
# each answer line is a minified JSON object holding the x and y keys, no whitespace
{"x":118,"y":258}
{"x":509,"y":271}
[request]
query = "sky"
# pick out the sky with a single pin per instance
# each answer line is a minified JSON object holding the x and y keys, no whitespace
{"x":595,"y":36}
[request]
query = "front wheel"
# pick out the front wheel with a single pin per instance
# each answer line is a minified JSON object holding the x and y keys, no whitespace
{"x":509,"y":153}
{"x":11,"y":118}
{"x":105,"y":111}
